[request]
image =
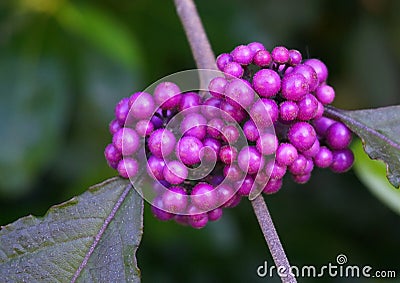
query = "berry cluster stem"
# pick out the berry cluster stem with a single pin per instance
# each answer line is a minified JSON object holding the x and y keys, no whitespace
{"x":196,"y":35}
{"x":272,"y":238}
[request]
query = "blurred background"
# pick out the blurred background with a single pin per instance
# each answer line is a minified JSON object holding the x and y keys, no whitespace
{"x":64,"y":64}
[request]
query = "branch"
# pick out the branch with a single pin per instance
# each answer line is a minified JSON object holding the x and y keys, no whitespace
{"x":272,"y":239}
{"x":201,"y":49}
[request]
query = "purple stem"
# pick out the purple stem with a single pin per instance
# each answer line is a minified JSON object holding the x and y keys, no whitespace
{"x":205,"y":59}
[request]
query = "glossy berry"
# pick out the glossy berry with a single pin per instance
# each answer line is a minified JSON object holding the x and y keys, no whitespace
{"x":322,"y":124}
{"x":294,"y":57}
{"x":308,"y":73}
{"x":214,"y":128}
{"x":266,"y":82}
{"x":126,"y":140}
{"x":324,"y":157}
{"x":158,"y":210}
{"x":288,"y":110}
{"x":308,"y":107}
{"x":141,"y":105}
{"x":273,"y":186}
{"x":194,"y":125}
{"x":250,"y":160}
{"x":319,"y":67}
{"x":112,"y":154}
{"x":230,"y":134}
{"x":128,"y":167}
{"x":338,"y":136}
{"x":114,"y":126}
{"x":267,"y":144}
{"x":155,"y":167}
{"x":204,"y":197}
{"x":189,"y":102}
{"x":211,"y":108}
{"x":294,"y":86}
{"x":161,"y":142}
{"x":302,"y":135}
{"x":144,"y":128}
{"x":264,"y":112}
{"x":223,"y":60}
{"x":175,"y":200}
{"x":232,"y":172}
{"x":217,"y":87}
{"x":167,"y":95}
{"x":251,"y":131}
{"x":246,"y":186}
{"x":255,"y":47}
{"x":342,"y":160}
{"x":188,"y":150}
{"x":242,"y":54}
{"x":262,"y":58}
{"x":325,"y":94}
{"x":233,"y":69}
{"x":280,"y":55}
{"x":241,"y":92}
{"x":215,"y":214}
{"x":175,"y":172}
{"x":228,"y":154}
{"x":286,"y":154}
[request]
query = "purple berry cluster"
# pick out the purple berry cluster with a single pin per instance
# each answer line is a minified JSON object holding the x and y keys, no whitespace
{"x":294,"y":92}
{"x":261,"y":117}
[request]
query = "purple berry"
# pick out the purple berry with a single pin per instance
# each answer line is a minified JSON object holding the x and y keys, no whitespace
{"x":194,"y":125}
{"x":313,"y":150}
{"x":158,"y":210}
{"x":230,"y":112}
{"x":273,"y":186}
{"x":255,"y":47}
{"x":262,"y":58}
{"x":223,"y":60}
{"x":188,"y":150}
{"x":210,"y":150}
{"x":228,"y":154}
{"x":266,"y":82}
{"x":141,"y":105}
{"x":230,"y":134}
{"x":280,"y":55}
{"x":233,"y":69}
{"x":308,"y":107}
{"x":215,"y":214}
{"x":301,"y":179}
{"x":267,"y":144}
{"x":325,"y":94}
{"x":214,"y":128}
{"x":167,"y":95}
{"x":246,"y":186}
{"x":175,"y":200}
{"x":204,"y":197}
{"x":294,"y":86}
{"x":294,"y":57}
{"x":298,"y":167}
{"x":196,"y":218}
{"x":322,"y":124}
{"x":288,"y":110}
{"x":342,"y":160}
{"x":161,"y":142}
{"x":121,"y":110}
{"x":324,"y":157}
{"x":241,"y":92}
{"x":188,"y":103}
{"x":112,"y":154}
{"x":286,"y":154}
{"x":225,"y":194}
{"x":175,"y":172}
{"x":320,"y":110}
{"x":242,"y":54}
{"x":310,"y":75}
{"x":302,"y":135}
{"x":338,"y":136}
{"x":217,"y":87}
{"x":250,"y":130}
{"x":114,"y":126}
{"x":275,"y":170}
{"x":128,"y":167}
{"x":264,"y":112}
{"x":319,"y":67}
{"x":250,"y":160}
{"x":144,"y":128}
{"x":126,"y":140}
{"x":232,"y":173}
{"x":210,"y":108}
{"x":155,"y":167}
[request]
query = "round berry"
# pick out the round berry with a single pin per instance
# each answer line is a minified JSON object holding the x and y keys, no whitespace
{"x":233,"y":69}
{"x":301,"y":179}
{"x":175,"y":172}
{"x":144,"y":128}
{"x":273,"y":186}
{"x":112,"y":154}
{"x":264,"y":112}
{"x":194,"y":125}
{"x":161,"y":142}
{"x":325,"y":94}
{"x":188,"y":150}
{"x":114,"y":126}
{"x":128,"y":167}
{"x":230,"y":112}
{"x":266,"y":82}
{"x":324,"y":157}
{"x":141,"y":105}
{"x":158,"y":211}
{"x":280,"y":55}
{"x":241,"y":92}
{"x":230,"y":134}
{"x":338,"y":136}
{"x":155,"y":167}
{"x":217,"y":87}
{"x":228,"y":154}
{"x":294,"y":57}
{"x":319,"y":67}
{"x":308,"y":107}
{"x":167,"y":95}
{"x":204,"y":197}
{"x":242,"y":54}
{"x":175,"y":200}
{"x":196,"y":218}
{"x":210,"y":108}
{"x":215,"y":214}
{"x":188,"y":103}
{"x":246,"y":186}
{"x":214,"y":128}
{"x":286,"y":154}
{"x":298,"y":167}
{"x":342,"y":160}
{"x":313,"y":150}
{"x":322,"y":124}
{"x":267,"y":144}
{"x":250,"y":160}
{"x":255,"y":47}
{"x":223,"y":60}
{"x":225,"y":194}
{"x":121,"y":110}
{"x":251,"y":131}
{"x":288,"y":110}
{"x":232,"y":173}
{"x":309,"y":73}
{"x":126,"y":140}
{"x":294,"y":86}
{"x":275,"y":170}
{"x":302,"y":135}
{"x":262,"y":58}
{"x":210,"y":150}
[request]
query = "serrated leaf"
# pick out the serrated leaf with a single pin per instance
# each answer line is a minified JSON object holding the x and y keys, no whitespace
{"x":91,"y":238}
{"x":379,"y":130}
{"x":371,"y":174}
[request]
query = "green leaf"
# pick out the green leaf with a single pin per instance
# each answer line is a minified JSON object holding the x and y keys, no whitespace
{"x":91,"y":238}
{"x":379,"y":129}
{"x":371,"y":173}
